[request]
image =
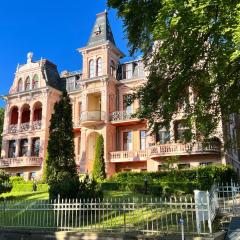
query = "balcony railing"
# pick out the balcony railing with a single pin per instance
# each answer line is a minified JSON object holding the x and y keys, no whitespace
{"x":121,"y":116}
{"x":171,"y":149}
{"x":128,"y":156}
{"x":92,"y":116}
{"x":184,"y":149}
{"x":20,"y":162}
{"x":13,"y":128}
{"x":37,"y":125}
{"x":24,"y":127}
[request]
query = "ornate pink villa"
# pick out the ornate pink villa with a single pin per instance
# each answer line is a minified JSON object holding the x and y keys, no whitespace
{"x":98,"y":94}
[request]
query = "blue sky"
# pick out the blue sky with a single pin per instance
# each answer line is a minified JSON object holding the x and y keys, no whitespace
{"x":50,"y":29}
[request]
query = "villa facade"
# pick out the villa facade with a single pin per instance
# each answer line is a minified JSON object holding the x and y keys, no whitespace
{"x":98,"y":95}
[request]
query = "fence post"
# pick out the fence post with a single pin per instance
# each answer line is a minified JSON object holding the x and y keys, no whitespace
{"x":209,"y":212}
{"x":4,"y":211}
{"x":58,"y":201}
{"x":124,"y":217}
{"x":196,"y":199}
{"x":233,"y":197}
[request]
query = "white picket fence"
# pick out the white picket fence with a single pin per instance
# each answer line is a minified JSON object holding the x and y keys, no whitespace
{"x":140,"y":215}
{"x":147,"y":216}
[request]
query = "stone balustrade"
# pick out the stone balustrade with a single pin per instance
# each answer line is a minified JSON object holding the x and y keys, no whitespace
{"x":121,"y":116}
{"x":20,"y":162}
{"x":92,"y":116}
{"x":24,"y":127}
{"x":171,"y":149}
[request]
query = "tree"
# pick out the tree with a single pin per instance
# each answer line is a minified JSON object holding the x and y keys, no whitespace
{"x":1,"y":126}
{"x":98,"y":172}
{"x":61,"y":172}
{"x":192,"y":52}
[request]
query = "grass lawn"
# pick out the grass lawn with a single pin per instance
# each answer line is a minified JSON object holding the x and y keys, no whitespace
{"x":43,"y":195}
{"x":23,"y":196}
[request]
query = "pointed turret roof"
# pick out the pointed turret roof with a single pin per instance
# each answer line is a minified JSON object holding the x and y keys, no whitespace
{"x":101,"y":31}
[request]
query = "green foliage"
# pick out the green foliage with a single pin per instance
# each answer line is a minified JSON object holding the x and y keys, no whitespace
{"x":169,"y":163}
{"x":28,"y":187}
{"x":61,"y":171}
{"x":172,"y":182}
{"x":5,"y":184}
{"x":187,"y":46}
{"x":65,"y":185}
{"x":89,"y":189}
{"x":16,"y":179}
{"x":98,"y":172}
{"x":1,"y":125}
{"x":44,"y":176}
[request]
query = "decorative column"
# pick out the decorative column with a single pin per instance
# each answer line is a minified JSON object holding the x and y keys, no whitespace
{"x":19,"y":119}
{"x":6,"y":119}
{"x":29,"y":153}
{"x":17,"y":147}
{"x":31,"y":118}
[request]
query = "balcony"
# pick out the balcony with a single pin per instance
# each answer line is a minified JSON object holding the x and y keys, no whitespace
{"x":13,"y":128}
{"x":89,"y":118}
{"x":21,"y":162}
{"x":24,"y":127}
{"x":37,"y":125}
{"x":177,"y":149}
{"x":129,"y":156}
{"x":121,"y":118}
{"x":166,"y":150}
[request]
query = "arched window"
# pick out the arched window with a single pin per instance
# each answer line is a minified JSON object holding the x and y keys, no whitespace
{"x":27,"y":84}
{"x":35,"y":83}
{"x":20,"y":85}
{"x":99,"y":67}
{"x":91,"y":69}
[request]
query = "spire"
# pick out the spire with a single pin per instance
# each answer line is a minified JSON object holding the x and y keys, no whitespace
{"x":102,"y":31}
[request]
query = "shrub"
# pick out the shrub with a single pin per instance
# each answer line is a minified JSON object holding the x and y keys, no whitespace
{"x":89,"y":189}
{"x":5,"y":184}
{"x":174,"y":182}
{"x":64,"y":185}
{"x":98,"y":172}
{"x":16,"y":179}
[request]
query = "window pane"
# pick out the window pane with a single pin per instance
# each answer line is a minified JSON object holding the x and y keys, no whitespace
{"x":142,"y":139}
{"x":35,"y":147}
{"x":163,"y":136}
{"x":12,"y":149}
{"x":127,"y":141}
{"x":91,"y":69}
{"x":99,"y":67}
{"x":126,"y":107}
{"x":23,"y":147}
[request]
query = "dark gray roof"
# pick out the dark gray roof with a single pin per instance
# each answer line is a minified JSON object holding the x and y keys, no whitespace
{"x":101,"y":31}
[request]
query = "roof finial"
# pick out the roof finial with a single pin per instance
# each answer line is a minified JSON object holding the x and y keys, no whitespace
{"x":29,"y":57}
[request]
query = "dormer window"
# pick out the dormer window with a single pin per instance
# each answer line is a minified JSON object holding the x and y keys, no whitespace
{"x":27,"y":84}
{"x":35,"y":83}
{"x":20,"y":85}
{"x":91,"y":69}
{"x":99,"y":67}
{"x":98,"y":30}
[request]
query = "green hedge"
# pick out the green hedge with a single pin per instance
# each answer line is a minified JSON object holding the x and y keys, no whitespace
{"x":175,"y":182}
{"x":202,"y":175}
{"x":28,"y":187}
